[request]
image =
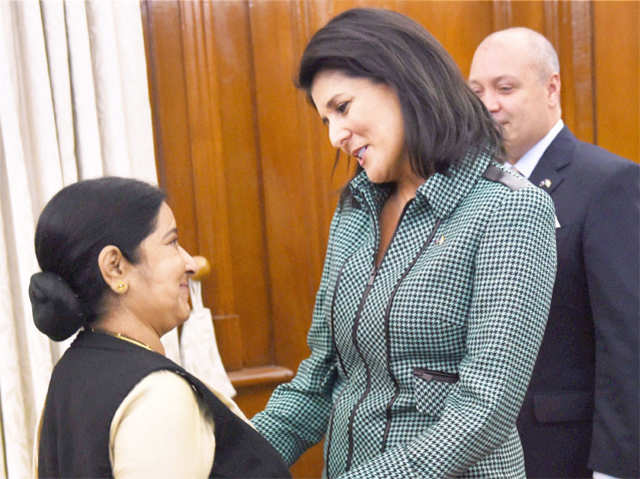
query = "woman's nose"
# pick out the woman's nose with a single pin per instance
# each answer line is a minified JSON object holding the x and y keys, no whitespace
{"x":189,"y":263}
{"x":338,"y":134}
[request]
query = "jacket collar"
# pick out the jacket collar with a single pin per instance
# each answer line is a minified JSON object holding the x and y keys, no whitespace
{"x":445,"y":191}
{"x":548,"y":172}
{"x":441,"y":191}
{"x":372,"y":193}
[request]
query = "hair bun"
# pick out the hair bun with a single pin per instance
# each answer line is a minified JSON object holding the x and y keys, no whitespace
{"x":57,"y":311}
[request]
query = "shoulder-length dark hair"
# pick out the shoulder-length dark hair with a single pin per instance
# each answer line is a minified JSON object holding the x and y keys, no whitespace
{"x":443,"y":118}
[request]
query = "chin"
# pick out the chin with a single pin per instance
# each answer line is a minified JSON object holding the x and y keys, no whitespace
{"x":376,"y":177}
{"x":183,"y":317}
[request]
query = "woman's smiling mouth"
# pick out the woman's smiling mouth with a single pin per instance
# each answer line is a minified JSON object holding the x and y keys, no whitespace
{"x":359,"y":154}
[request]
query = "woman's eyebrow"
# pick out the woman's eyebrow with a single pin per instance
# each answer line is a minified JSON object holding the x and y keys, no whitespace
{"x":170,"y":232}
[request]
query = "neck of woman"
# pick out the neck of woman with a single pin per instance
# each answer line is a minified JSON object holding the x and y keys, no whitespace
{"x":406,"y":188}
{"x":129,"y":329}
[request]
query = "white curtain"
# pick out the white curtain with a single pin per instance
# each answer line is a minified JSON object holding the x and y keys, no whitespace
{"x":73,"y":104}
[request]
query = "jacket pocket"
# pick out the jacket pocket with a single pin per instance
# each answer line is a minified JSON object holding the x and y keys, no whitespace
{"x":431,"y":388}
{"x":564,"y":406}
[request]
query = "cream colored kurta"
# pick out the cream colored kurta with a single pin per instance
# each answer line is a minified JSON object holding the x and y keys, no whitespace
{"x":161,"y":429}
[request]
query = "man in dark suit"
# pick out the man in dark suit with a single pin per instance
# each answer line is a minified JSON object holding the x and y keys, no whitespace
{"x":580,"y":415}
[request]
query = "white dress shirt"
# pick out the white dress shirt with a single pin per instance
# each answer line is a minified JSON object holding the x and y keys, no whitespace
{"x":527,"y":163}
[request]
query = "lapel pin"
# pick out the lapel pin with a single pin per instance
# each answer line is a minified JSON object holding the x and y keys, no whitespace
{"x":546,"y":183}
{"x":440,"y":240}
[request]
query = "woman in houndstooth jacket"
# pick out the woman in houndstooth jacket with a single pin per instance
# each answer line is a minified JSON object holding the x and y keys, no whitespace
{"x":438,"y":273}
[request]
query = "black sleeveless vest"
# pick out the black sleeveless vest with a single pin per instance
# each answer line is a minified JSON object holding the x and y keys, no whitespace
{"x":88,"y":384}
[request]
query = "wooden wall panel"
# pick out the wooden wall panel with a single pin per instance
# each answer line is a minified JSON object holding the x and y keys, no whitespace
{"x":617,"y":77}
{"x":203,"y":98}
{"x":231,"y":38}
{"x":472,"y":22}
{"x":291,"y":232}
{"x":576,"y":67}
{"x":248,"y":165}
{"x":170,"y":124}
{"x":520,"y":14}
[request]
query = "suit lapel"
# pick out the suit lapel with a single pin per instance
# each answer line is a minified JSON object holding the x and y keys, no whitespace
{"x":548,"y":172}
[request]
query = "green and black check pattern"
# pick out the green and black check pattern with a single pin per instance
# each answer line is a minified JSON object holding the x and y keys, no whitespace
{"x":420,"y":370}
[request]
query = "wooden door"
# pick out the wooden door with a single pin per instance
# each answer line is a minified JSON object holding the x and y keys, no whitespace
{"x":247,"y":165}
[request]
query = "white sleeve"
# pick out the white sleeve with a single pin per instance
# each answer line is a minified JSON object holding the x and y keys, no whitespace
{"x":599,"y":475}
{"x":161,"y":430}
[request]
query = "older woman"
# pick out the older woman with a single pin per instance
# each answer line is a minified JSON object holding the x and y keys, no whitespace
{"x":438,"y":273}
{"x":116,"y":407}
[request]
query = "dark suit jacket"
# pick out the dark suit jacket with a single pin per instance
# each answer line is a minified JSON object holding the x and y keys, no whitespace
{"x":581,"y":409}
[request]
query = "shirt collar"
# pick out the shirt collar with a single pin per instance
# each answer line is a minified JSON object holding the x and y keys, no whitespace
{"x":527,"y":163}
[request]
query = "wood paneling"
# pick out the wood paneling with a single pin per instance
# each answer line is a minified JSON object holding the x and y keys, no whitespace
{"x":295,"y":252}
{"x":617,"y":77}
{"x":234,"y":57}
{"x":248,"y":165}
{"x":165,"y":68}
{"x":576,"y":67}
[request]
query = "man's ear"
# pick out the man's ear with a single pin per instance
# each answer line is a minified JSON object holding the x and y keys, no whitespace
{"x":553,"y":90}
{"x":113,"y":267}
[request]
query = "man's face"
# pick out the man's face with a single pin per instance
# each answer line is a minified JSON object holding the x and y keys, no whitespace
{"x":504,"y":77}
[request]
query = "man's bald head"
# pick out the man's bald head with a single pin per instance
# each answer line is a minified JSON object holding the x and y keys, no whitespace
{"x":515,"y":72}
{"x":538,"y":50}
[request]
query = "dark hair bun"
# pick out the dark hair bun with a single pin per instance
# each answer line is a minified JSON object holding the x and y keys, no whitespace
{"x":57,"y":312}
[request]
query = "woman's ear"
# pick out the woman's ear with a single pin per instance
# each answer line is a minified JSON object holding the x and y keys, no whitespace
{"x":114,"y":267}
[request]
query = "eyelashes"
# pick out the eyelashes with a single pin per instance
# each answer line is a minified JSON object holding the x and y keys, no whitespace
{"x":343,"y":107}
{"x":340,"y":108}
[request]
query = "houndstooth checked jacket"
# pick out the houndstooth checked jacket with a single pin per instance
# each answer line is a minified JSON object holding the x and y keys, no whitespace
{"x":418,"y":368}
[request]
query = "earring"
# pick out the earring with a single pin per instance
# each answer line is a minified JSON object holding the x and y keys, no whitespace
{"x":122,"y":287}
